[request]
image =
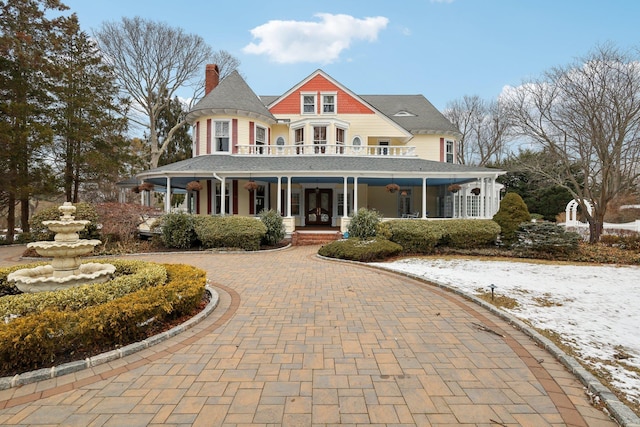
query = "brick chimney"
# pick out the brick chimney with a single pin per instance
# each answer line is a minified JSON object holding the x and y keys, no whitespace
{"x":211,"y":78}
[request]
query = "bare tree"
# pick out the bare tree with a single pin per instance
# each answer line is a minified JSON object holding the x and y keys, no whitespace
{"x":226,"y":63}
{"x":152,"y":61}
{"x":586,"y":116}
{"x":483,"y":127}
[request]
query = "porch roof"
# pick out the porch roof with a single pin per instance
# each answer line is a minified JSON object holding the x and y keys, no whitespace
{"x":407,"y":171}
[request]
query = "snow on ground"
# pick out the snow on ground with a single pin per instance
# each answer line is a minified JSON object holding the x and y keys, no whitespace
{"x":595,"y":309}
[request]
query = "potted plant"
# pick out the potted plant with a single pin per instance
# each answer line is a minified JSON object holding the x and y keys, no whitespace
{"x":251,"y":186}
{"x":454,"y":188}
{"x":194,"y":186}
{"x":392,"y":188}
{"x":475,"y":191}
{"x":145,"y":186}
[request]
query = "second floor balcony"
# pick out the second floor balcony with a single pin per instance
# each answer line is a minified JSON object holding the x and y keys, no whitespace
{"x":326,"y":150}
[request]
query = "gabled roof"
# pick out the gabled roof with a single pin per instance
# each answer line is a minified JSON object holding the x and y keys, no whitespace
{"x":231,"y":97}
{"x":413,"y":112}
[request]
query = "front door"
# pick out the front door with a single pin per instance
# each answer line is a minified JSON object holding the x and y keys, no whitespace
{"x":318,"y":206}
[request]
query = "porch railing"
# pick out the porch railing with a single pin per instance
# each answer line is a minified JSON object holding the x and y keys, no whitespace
{"x":325,"y":150}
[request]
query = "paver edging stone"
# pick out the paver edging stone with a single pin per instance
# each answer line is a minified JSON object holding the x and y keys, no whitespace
{"x":621,"y":413}
{"x":78,"y":365}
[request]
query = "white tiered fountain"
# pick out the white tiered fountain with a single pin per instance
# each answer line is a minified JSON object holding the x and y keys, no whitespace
{"x":65,"y":270}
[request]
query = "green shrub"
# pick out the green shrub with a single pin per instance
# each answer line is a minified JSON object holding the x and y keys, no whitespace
{"x":178,"y":230}
{"x":364,"y":223}
{"x":513,"y":212}
{"x":415,"y":235}
{"x":230,"y":232}
{"x":40,"y":339}
{"x":363,"y":250}
{"x":130,"y":276}
{"x":545,"y":240}
{"x":275,"y":227}
{"x":84,"y":211}
{"x":469,"y":233}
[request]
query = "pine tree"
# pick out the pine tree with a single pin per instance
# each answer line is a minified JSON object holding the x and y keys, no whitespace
{"x":26,"y":72}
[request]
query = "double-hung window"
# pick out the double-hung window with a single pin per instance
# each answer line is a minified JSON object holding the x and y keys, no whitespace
{"x":221,"y":136}
{"x":328,"y":104}
{"x":308,"y":103}
{"x":320,"y":138}
{"x":340,"y":140}
{"x":449,"y":151}
{"x":299,"y":140}
{"x":261,"y":139}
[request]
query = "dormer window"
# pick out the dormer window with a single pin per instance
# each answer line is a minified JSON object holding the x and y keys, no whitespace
{"x":308,"y":103}
{"x":404,"y":113}
{"x":328,"y":103}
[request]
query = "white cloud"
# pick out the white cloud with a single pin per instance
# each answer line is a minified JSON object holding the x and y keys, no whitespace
{"x":306,"y":41}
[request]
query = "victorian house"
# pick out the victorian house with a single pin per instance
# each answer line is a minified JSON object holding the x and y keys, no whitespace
{"x":319,"y":152}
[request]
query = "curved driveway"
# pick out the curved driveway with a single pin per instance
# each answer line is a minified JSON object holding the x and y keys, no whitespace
{"x":301,"y":341}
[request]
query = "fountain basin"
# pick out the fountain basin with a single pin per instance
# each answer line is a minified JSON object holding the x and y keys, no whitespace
{"x":42,"y":279}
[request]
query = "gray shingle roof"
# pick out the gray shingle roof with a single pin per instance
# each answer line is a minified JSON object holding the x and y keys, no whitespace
{"x":424,"y":118}
{"x":231,"y":96}
{"x":321,"y":165}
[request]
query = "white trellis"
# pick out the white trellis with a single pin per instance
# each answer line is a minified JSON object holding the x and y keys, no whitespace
{"x":571,"y":212}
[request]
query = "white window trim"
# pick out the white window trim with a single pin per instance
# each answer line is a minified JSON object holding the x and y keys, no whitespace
{"x":255,"y":134}
{"x":214,"y":136}
{"x":304,"y":131}
{"x":335,"y":102}
{"x":315,"y":103}
{"x":447,"y":143}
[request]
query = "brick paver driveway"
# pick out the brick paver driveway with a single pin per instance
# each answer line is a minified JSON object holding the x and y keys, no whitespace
{"x":297,"y":340}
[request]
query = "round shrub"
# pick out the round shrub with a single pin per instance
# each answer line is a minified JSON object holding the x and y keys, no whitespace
{"x":178,"y":230}
{"x":84,"y":211}
{"x":513,"y":212}
{"x":469,"y":233}
{"x":275,"y":227}
{"x":545,"y":240}
{"x":364,"y":223}
{"x":230,"y":232}
{"x":363,"y":250}
{"x":415,"y":235}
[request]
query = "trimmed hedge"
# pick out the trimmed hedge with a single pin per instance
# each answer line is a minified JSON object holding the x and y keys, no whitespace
{"x":37,"y":340}
{"x":130,"y":276}
{"x":177,"y":230}
{"x":229,"y":232}
{"x":415,"y":235}
{"x":469,"y":233}
{"x":363,"y":250}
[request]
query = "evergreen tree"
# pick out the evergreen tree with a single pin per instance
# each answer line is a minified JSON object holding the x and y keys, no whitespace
{"x":89,"y":124}
{"x":27,"y":69}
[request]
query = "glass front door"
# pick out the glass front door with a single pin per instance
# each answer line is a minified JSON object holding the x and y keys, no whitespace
{"x":318,"y":206}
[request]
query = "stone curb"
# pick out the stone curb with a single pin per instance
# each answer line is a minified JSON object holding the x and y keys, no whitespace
{"x":78,"y":365}
{"x":621,"y":413}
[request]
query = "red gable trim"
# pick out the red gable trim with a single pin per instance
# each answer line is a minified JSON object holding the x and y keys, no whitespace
{"x":346,"y":104}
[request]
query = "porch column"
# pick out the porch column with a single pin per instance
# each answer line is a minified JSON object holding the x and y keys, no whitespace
{"x":223,"y":196}
{"x":345,"y":200}
{"x":167,"y":197}
{"x":289,"y":197}
{"x":494,"y":199}
{"x":355,"y":194}
{"x":424,"y":198}
{"x":279,"y":197}
{"x":482,"y":206}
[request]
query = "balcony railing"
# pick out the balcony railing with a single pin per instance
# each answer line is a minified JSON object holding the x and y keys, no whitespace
{"x":326,"y":150}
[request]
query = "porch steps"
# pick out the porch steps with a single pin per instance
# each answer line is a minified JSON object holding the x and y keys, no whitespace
{"x":315,"y":237}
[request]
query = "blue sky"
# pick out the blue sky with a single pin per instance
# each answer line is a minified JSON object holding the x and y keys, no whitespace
{"x":443,"y":49}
